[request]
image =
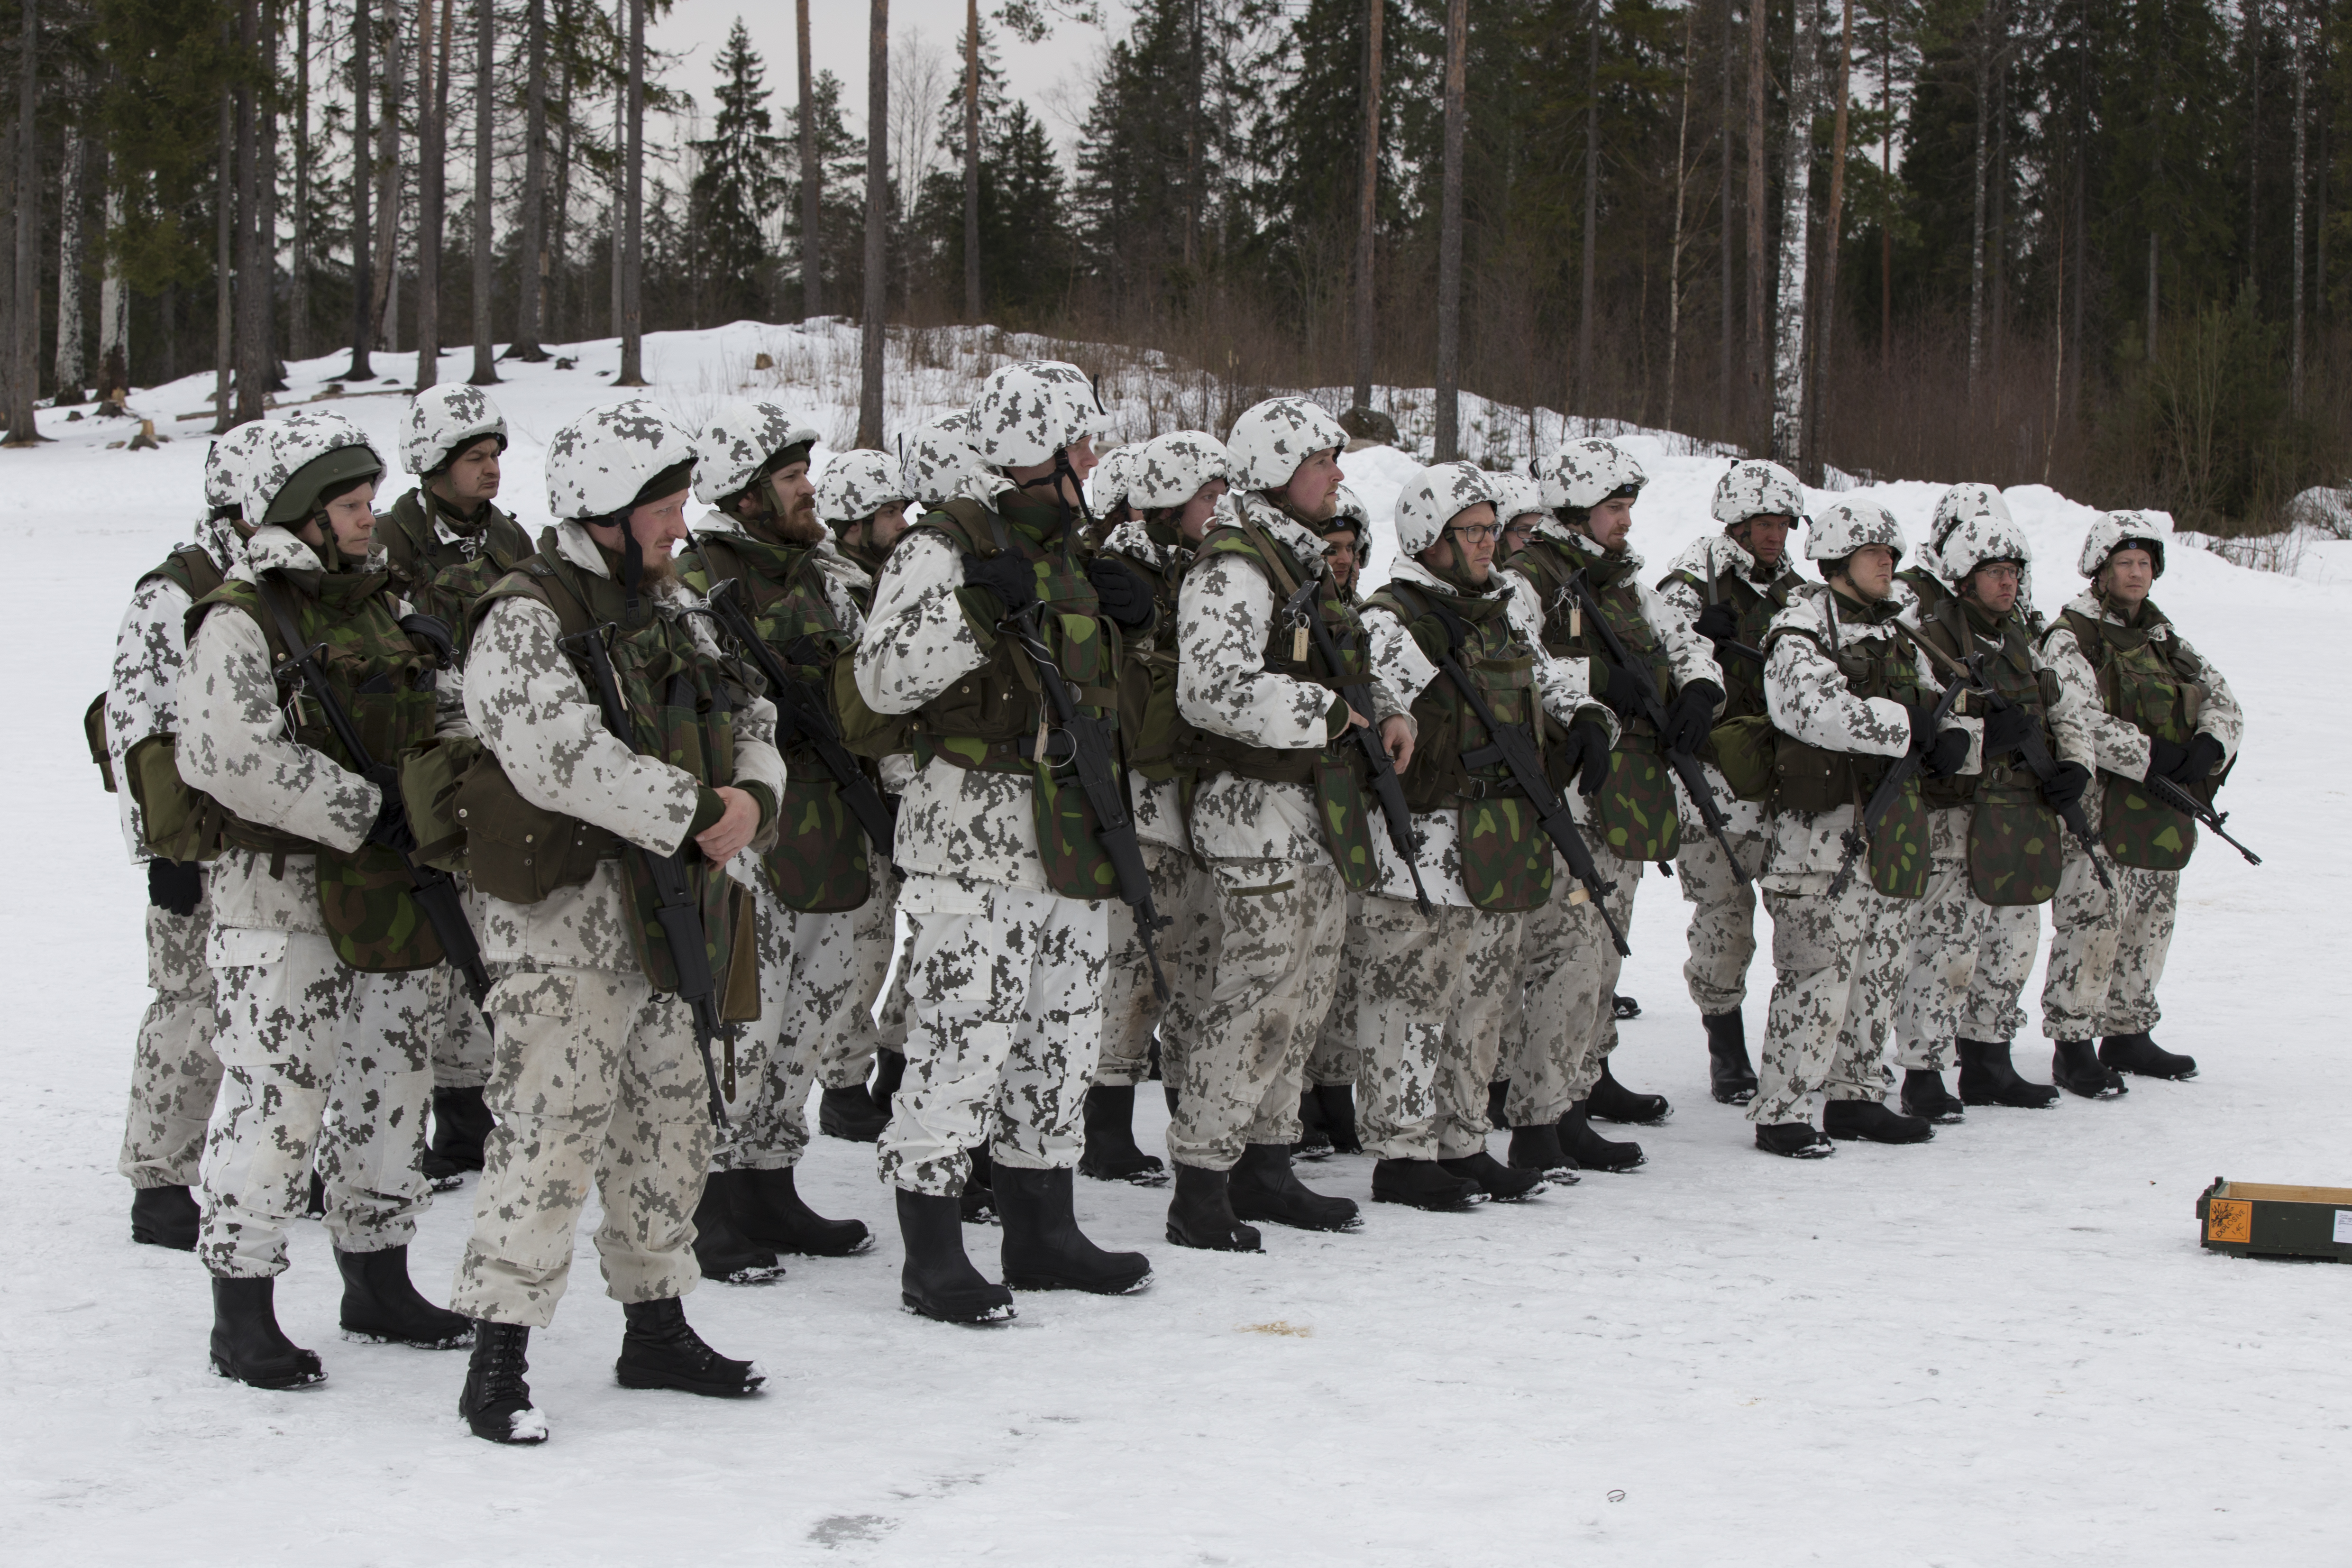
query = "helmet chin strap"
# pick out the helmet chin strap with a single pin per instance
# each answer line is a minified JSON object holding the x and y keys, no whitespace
{"x":1062,"y":471}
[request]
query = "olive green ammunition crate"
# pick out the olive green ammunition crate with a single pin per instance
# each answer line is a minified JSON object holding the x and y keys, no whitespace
{"x":2256,"y":1219}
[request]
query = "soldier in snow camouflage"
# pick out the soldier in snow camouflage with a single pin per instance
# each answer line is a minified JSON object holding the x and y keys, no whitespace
{"x":1326,"y":1109}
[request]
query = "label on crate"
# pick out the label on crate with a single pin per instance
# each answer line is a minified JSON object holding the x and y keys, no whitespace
{"x":2344,"y":1227}
{"x":2230,"y":1219}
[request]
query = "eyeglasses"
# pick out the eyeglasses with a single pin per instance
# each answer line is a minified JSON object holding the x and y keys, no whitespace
{"x":1999,"y":572}
{"x":1475,"y":533}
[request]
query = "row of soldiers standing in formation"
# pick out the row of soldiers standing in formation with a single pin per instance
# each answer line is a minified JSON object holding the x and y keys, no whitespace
{"x":1383,"y":848}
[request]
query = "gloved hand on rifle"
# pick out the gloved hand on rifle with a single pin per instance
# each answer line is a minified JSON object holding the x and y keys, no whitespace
{"x":1586,"y":751}
{"x":1718,"y":624}
{"x":1691,"y":715}
{"x":2197,"y":761}
{"x":391,"y":826}
{"x":2006,"y":730}
{"x":1012,"y":580}
{"x":1124,"y":597}
{"x":2065,"y":786}
{"x":1625,"y":689}
{"x":1941,"y":753}
{"x":174,"y":886}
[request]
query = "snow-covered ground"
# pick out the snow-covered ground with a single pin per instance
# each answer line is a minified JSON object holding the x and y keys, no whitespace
{"x":2003,"y":1347}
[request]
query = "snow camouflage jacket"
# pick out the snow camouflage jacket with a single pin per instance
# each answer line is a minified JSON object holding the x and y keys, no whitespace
{"x":238,"y":746}
{"x":538,"y":720}
{"x":1722,"y":560}
{"x":1814,"y":703}
{"x":1157,"y":795}
{"x":150,"y":649}
{"x":1400,"y":664}
{"x":1225,"y":618}
{"x":442,"y":563}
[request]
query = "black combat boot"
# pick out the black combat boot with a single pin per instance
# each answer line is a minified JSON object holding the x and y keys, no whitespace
{"x":1424,"y":1185}
{"x":1500,"y":1182}
{"x":1497,"y":1093}
{"x":1201,"y":1213}
{"x":461,"y":1124}
{"x":889,"y":1072}
{"x":2138,"y":1054}
{"x":381,"y":1304}
{"x":1624,"y":1008}
{"x":1870,"y":1118}
{"x":1111,"y":1155}
{"x":1538,"y":1148}
{"x":1925,"y":1096}
{"x":2078,"y":1069}
{"x":851,"y":1114}
{"x":1338,"y":1103}
{"x":1730,"y":1077}
{"x":725,"y":1253}
{"x":496,"y":1401}
{"x":1590,"y":1151}
{"x":1314,"y":1141}
{"x":1794,"y":1141}
{"x":659,"y":1351}
{"x":978,"y":1200}
{"x":1986,"y":1078}
{"x":769,"y":1214}
{"x":1044,"y":1248}
{"x":164,"y":1217}
{"x":1263,"y":1187}
{"x":247,"y":1344}
{"x":1612,"y":1102}
{"x":937,"y":1280}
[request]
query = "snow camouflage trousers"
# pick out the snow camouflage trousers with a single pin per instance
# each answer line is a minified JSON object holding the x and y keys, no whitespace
{"x":848,"y":1031}
{"x":2108,"y":951}
{"x":461,"y":1046}
{"x":174,"y":1076}
{"x":1569,"y":968}
{"x":1005,"y":1015}
{"x":1283,"y":922}
{"x":1723,"y":917}
{"x":1837,"y":963}
{"x":1427,"y":1006}
{"x":2005,"y":964}
{"x":320,"y":1065}
{"x":1186,"y":898}
{"x":594,"y":1079}
{"x":1335,"y":1058}
{"x":1946,"y":928}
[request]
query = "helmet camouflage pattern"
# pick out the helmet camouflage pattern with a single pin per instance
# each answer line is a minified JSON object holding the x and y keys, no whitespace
{"x":442,"y":421}
{"x":1754,"y":488}
{"x":228,"y":465}
{"x":598,"y":463}
{"x":1516,"y":495}
{"x":1027,"y":412}
{"x":938,"y":462}
{"x":1270,"y":439}
{"x":1587,"y":471}
{"x":2142,"y":530}
{"x":858,"y":484}
{"x":1108,"y":484}
{"x":1845,"y":526}
{"x":1977,"y":540}
{"x":1963,"y":503}
{"x":293,"y":466}
{"x":1435,"y":497}
{"x":743,"y":435}
{"x":1170,"y":469}
{"x":1348,"y":511}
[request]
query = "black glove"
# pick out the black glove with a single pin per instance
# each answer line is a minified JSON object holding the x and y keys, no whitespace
{"x":1923,"y":724}
{"x":174,"y":886}
{"x":1719,"y":623}
{"x":1691,"y":715}
{"x":2065,"y":786}
{"x":1124,"y":597}
{"x":1945,"y":754}
{"x":1010,"y":578}
{"x":1587,"y":748}
{"x":1626,"y":691}
{"x":434,"y":633}
{"x":2199,"y":759}
{"x":2005,"y":730}
{"x":2164,"y":758}
{"x":391,"y":826}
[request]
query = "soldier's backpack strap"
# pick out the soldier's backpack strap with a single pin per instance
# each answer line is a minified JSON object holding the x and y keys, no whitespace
{"x":1267,"y":552}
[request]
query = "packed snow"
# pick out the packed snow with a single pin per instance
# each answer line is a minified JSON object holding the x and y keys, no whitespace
{"x":2003,"y":1347}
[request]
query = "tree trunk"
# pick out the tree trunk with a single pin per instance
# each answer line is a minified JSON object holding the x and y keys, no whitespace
{"x":1796,"y":219}
{"x":1449,"y":236}
{"x":224,"y":254}
{"x":362,"y":177}
{"x":432,"y":182}
{"x":1886,"y":171}
{"x":1759,"y":67}
{"x":381,"y":308}
{"x":298,"y":304}
{"x":972,"y":160}
{"x":2253,"y":132}
{"x":877,"y":225}
{"x":530,"y":257}
{"x":2151,"y":294}
{"x":811,"y":185}
{"x":559,"y":221}
{"x":619,"y":245}
{"x":24,"y":305}
{"x":1825,"y":318}
{"x":1997,"y":327}
{"x":633,"y":327}
{"x":1976,"y":203}
{"x":2294,"y":372}
{"x":73,"y":151}
{"x":114,"y":313}
{"x":1368,"y":192}
{"x":265,"y":214}
{"x":486,"y":370}
{"x":1583,"y":398}
{"x":1724,"y":333}
{"x":1674,"y":254}
{"x":252,"y":256}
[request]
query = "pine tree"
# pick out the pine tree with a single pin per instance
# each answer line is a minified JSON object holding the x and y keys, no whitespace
{"x":739,"y":184}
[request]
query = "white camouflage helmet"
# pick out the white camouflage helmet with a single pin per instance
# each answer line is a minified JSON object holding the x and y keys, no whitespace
{"x":1516,"y":495}
{"x":938,"y":462}
{"x":1754,"y":488}
{"x":442,"y":421}
{"x":1109,"y":483}
{"x":1977,"y":540}
{"x":1587,"y":471}
{"x":1848,"y":525}
{"x":2149,"y":529}
{"x":228,"y":465}
{"x":1170,"y":469}
{"x":1272,"y":438}
{"x":1347,"y":507}
{"x":737,"y":445}
{"x":1027,"y":412}
{"x":1963,"y":503}
{"x":598,"y":463}
{"x":1434,"y":497}
{"x":858,"y":484}
{"x":292,"y":444}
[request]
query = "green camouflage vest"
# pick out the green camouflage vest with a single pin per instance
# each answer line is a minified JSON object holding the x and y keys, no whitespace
{"x":1156,"y":734}
{"x":177,"y":822}
{"x":384,"y":680}
{"x":2146,"y":680}
{"x":2015,"y":851}
{"x":439,"y":578}
{"x":1743,"y":679}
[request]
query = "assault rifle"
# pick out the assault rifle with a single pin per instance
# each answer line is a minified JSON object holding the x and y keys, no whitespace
{"x":1907,"y":767}
{"x":2166,"y":793}
{"x":1090,"y":756}
{"x":807,"y":717}
{"x":1514,"y":746}
{"x":2036,"y":754}
{"x":435,"y":891}
{"x":673,"y":902}
{"x":1686,"y":767}
{"x":1714,"y":596}
{"x":1387,"y":788}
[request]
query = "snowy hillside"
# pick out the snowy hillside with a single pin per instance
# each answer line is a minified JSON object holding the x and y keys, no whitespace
{"x":2004,"y":1347}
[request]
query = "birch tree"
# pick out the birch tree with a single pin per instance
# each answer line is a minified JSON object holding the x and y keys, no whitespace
{"x":1796,"y":234}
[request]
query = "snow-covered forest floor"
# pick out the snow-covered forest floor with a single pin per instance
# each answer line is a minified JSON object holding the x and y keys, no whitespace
{"x":2003,"y":1347}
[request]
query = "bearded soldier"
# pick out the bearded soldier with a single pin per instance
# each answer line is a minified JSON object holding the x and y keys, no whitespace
{"x":1562,"y":1079}
{"x":1431,"y":989}
{"x":1327,"y":1108}
{"x":1849,"y":699}
{"x":328,"y":980}
{"x":1175,"y":484}
{"x":982,"y":605}
{"x":596,"y":1078}
{"x":2158,"y":709}
{"x":446,"y":542}
{"x":1729,"y":586}
{"x":175,"y":1073}
{"x":813,"y":885}
{"x":1994,"y":839}
{"x":1279,"y":816}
